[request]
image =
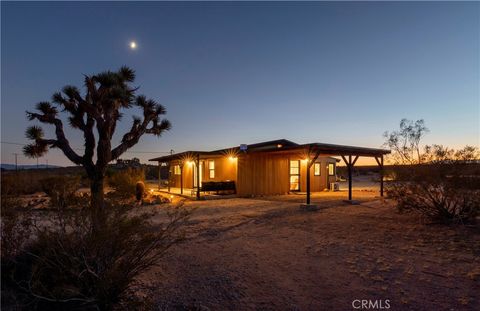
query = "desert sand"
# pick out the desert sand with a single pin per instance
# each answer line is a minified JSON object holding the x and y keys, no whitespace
{"x":267,"y":254}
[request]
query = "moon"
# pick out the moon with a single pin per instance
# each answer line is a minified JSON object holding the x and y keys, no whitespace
{"x":133,"y":45}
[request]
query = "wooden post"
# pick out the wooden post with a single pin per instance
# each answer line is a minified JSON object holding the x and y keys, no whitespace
{"x":169,"y":175}
{"x":381,"y":176}
{"x":159,"y":174}
{"x":181,"y":178}
{"x":310,"y":162}
{"x":198,"y":176}
{"x":349,"y":165}
{"x":380,"y":164}
{"x":308,"y":181}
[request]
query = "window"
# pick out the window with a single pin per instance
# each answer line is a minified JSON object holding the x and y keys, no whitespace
{"x":176,"y":170}
{"x":331,"y":169}
{"x":294,"y":175}
{"x":211,"y":169}
{"x":316,"y":169}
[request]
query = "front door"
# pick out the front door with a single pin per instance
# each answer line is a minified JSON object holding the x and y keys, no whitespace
{"x":295,"y":175}
{"x":195,"y":174}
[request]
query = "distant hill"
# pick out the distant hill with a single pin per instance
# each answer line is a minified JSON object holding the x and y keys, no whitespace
{"x":4,"y":166}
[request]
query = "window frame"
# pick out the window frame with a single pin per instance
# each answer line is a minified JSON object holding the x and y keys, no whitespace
{"x":211,"y":169}
{"x":334,"y":169}
{"x":177,"y":170}
{"x":317,"y":165}
{"x":297,"y":175}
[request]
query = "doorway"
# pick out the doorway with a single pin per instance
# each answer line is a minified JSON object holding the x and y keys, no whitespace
{"x":295,"y":175}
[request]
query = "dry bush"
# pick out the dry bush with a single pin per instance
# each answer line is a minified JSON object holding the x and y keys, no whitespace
{"x":61,"y":190}
{"x":22,"y":182}
{"x":439,"y":191}
{"x":16,"y":224}
{"x":124,"y":181}
{"x":71,"y":266}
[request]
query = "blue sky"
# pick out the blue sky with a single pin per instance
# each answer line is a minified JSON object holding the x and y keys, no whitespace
{"x":232,"y":73}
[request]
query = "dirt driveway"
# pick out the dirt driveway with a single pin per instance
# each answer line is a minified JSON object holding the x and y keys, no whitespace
{"x":249,"y":254}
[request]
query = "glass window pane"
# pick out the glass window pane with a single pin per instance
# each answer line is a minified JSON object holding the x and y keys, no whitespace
{"x":294,"y":183}
{"x":316,"y":169}
{"x":331,"y":169}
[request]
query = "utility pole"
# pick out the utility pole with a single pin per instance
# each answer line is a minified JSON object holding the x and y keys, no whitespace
{"x":16,"y":162}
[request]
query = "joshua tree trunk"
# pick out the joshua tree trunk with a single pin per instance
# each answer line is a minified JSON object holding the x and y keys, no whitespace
{"x":97,"y":194}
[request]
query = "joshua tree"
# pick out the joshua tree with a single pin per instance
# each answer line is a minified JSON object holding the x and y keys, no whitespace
{"x":96,"y":114}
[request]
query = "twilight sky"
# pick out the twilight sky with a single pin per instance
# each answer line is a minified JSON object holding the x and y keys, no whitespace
{"x":232,"y":73}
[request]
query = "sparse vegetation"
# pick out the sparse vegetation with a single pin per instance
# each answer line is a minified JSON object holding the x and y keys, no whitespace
{"x":436,"y":181}
{"x":124,"y":182}
{"x":67,"y":265}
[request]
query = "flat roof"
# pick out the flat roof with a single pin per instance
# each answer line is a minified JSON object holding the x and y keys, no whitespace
{"x":282,"y":145}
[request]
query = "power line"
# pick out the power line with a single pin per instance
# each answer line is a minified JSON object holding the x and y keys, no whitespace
{"x":81,"y":149}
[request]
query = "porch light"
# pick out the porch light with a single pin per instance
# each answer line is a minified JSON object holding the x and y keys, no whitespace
{"x":305,"y":160}
{"x":279,"y":146}
{"x":190,"y":163}
{"x":232,"y":158}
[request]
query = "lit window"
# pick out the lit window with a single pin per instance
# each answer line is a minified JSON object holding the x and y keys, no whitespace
{"x":211,"y":169}
{"x":294,"y":175}
{"x":331,"y":169}
{"x":316,"y":169}
{"x":176,"y":170}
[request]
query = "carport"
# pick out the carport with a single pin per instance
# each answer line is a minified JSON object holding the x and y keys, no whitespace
{"x":349,"y":155}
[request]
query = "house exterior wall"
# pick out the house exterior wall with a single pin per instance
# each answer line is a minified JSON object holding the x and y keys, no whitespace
{"x":262,"y":173}
{"x":225,"y":169}
{"x":256,"y":173}
{"x":269,"y":174}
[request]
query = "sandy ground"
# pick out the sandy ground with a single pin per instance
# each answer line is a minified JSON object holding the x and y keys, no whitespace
{"x":267,"y":254}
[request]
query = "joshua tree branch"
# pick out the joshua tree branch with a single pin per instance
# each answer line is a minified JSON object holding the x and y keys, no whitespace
{"x":61,"y":141}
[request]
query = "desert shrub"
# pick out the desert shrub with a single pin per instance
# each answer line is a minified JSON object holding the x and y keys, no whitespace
{"x":61,"y":189}
{"x":124,"y":181}
{"x":21,"y":182}
{"x":16,"y":224}
{"x":139,"y":190}
{"x":438,"y":191}
{"x":72,"y":265}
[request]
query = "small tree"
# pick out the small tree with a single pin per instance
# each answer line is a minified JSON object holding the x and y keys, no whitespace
{"x":96,"y":114}
{"x":405,"y":142}
{"x":434,"y":180}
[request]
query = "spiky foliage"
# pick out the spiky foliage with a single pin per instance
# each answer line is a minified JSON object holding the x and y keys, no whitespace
{"x":99,"y":109}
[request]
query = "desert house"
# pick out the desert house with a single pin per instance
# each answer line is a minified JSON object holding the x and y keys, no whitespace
{"x":267,"y":168}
